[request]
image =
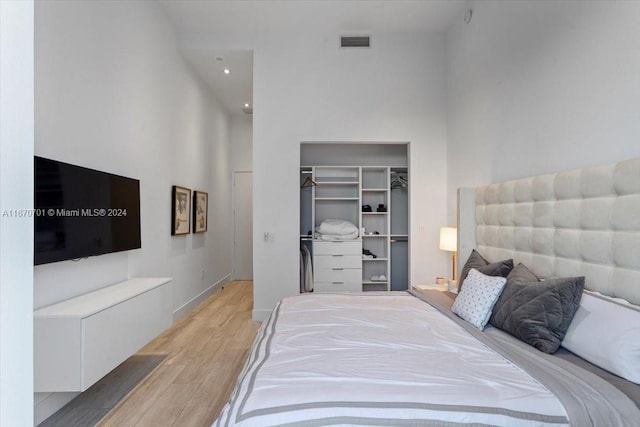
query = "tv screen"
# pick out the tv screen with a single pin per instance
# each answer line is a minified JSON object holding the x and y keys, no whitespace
{"x":82,"y":212}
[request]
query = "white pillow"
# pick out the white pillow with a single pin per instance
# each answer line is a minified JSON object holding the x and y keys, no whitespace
{"x":607,"y":334}
{"x":477,"y":297}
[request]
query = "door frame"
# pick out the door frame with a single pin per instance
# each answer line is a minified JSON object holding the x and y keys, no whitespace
{"x":233,"y":222}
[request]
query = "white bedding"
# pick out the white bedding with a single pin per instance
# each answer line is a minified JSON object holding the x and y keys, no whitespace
{"x":379,"y":359}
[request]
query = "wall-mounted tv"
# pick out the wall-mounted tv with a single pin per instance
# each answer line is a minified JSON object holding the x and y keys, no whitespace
{"x":83,"y":212}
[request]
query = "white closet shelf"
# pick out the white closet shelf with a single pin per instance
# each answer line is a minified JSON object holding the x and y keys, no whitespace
{"x":338,"y":241}
{"x":351,"y":183}
{"x":374,"y":259}
{"x":375,"y":189}
{"x":375,"y":282}
{"x":374,"y":213}
{"x":337,"y":198}
{"x":375,"y":235}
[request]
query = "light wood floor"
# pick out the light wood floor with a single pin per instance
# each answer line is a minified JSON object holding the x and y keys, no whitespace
{"x":206,"y":351}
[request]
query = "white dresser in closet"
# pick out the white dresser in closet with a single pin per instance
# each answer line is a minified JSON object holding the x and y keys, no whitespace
{"x":337,"y":266}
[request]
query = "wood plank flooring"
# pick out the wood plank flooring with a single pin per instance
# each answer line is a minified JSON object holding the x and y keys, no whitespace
{"x":91,"y":406}
{"x":205,"y":353}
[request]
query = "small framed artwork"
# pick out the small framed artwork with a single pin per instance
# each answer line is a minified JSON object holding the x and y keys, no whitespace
{"x":200,"y":211}
{"x":180,"y":216}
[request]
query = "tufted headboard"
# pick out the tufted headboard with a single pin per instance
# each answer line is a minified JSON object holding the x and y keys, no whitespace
{"x":583,"y":222}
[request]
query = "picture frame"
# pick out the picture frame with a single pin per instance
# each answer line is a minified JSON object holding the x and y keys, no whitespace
{"x":180,"y":210}
{"x":200,"y":211}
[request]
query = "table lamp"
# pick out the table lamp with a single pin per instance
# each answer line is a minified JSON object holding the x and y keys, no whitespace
{"x":449,"y":242}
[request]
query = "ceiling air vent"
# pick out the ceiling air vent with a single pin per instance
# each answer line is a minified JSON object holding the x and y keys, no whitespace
{"x":355,"y":41}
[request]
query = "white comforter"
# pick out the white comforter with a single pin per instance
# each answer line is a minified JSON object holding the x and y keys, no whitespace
{"x":387,"y":358}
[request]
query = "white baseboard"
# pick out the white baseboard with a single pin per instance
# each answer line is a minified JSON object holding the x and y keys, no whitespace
{"x":47,"y":404}
{"x":260,"y":315}
{"x":190,"y":305}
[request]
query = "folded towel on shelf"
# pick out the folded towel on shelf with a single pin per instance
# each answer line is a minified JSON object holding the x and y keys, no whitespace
{"x":337,"y":227}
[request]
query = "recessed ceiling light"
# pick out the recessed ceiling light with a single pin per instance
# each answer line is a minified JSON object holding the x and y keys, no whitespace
{"x":246,"y":105}
{"x":226,"y":71}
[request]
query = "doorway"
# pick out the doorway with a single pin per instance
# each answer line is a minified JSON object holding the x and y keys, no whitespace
{"x":242,"y":225}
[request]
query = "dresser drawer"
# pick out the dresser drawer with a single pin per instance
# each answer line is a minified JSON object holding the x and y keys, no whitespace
{"x":337,"y":261}
{"x":337,"y":247}
{"x":337,"y":287}
{"x":338,"y":275}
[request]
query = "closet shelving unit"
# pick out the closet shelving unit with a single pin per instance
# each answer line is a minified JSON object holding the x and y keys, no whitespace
{"x":339,"y":192}
{"x":375,"y":192}
{"x":336,"y":195}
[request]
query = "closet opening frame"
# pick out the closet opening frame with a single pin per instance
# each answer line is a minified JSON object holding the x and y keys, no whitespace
{"x":390,"y":236}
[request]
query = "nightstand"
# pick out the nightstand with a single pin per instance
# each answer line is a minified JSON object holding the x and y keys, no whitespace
{"x":432,"y":286}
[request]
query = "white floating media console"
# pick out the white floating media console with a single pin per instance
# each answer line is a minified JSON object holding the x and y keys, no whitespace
{"x":80,"y":340}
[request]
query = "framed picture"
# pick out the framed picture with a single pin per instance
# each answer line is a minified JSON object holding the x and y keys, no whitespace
{"x":200,"y":211}
{"x":180,"y":217}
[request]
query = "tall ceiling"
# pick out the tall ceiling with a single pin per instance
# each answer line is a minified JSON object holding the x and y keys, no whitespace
{"x":232,"y":90}
{"x":191,"y":17}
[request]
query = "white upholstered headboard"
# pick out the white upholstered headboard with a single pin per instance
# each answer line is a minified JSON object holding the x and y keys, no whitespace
{"x":583,"y":222}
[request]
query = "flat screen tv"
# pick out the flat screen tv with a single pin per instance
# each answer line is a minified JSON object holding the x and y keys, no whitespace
{"x":83,"y":212}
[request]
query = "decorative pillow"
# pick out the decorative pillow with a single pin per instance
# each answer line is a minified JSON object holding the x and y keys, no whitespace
{"x":607,"y":334}
{"x":476,"y":299}
{"x":538,"y":313}
{"x":477,"y":261}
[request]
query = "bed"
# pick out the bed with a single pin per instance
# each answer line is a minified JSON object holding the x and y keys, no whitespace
{"x":405,"y":359}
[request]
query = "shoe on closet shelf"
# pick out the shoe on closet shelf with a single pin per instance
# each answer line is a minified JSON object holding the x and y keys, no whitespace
{"x":382,"y":278}
{"x":368,"y":253}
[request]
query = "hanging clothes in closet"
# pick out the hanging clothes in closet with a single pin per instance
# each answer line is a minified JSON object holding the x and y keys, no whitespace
{"x":307,"y":185}
{"x":306,"y":269}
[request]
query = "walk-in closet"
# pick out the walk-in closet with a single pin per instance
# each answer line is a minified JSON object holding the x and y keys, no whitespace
{"x":354,"y":216}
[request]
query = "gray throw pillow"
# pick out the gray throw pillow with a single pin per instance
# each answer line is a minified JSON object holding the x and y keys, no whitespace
{"x":477,"y":261}
{"x":537,"y":312}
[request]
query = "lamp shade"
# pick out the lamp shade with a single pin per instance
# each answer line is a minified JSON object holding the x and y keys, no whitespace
{"x":449,"y":239}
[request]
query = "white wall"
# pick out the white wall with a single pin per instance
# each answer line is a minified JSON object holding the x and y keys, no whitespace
{"x":308,"y":89}
{"x":540,"y":87}
{"x":113,"y":93}
{"x":16,"y":232}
